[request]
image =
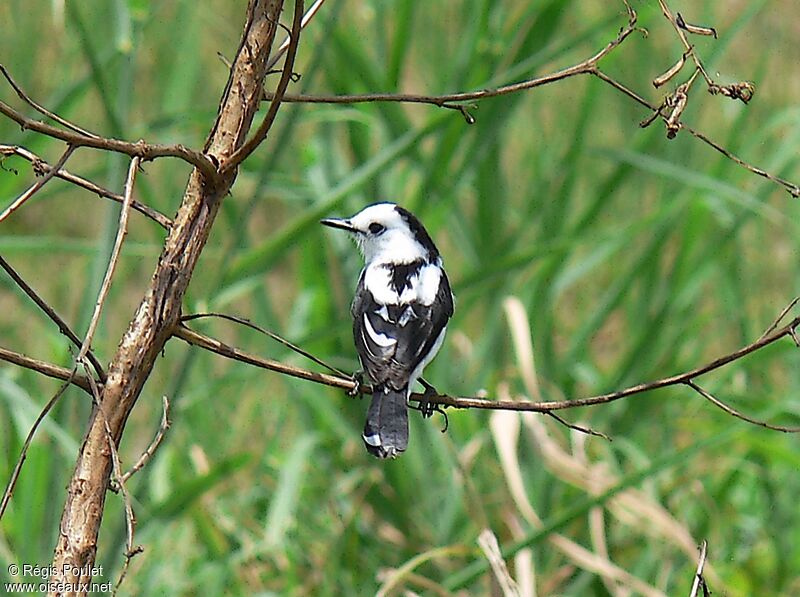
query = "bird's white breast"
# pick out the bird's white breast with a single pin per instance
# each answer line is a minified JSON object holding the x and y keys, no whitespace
{"x":422,"y":286}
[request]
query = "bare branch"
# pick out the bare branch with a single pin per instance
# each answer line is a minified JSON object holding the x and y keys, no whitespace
{"x":20,"y":201}
{"x":45,"y":368}
{"x":41,"y":109}
{"x":119,"y":480}
{"x":589,"y":66}
{"x":122,"y":232}
{"x":451,"y":100}
{"x":793,"y":189}
{"x":689,"y":48}
{"x":263,"y":130}
{"x":39,"y":165}
{"x":351,"y":385}
{"x":144,"y":151}
{"x":681,"y":379}
{"x":273,"y":335}
{"x":225,"y":350}
{"x":780,"y":317}
{"x":578,"y":428}
{"x":731,"y":411}
{"x":54,"y":317}
{"x":159,"y":308}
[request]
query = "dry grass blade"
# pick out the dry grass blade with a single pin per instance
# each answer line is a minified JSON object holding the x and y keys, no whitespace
{"x":491,"y":549}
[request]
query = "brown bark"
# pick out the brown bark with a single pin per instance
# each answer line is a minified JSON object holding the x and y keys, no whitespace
{"x":160,"y":308}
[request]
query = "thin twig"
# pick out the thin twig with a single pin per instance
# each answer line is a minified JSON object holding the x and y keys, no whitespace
{"x":261,"y":133}
{"x":116,"y":466}
{"x":12,"y":482}
{"x":72,"y":376}
{"x":54,"y":317}
{"x":273,"y":335}
{"x":225,"y":350}
{"x":698,"y":576}
{"x":731,"y":411}
{"x":145,"y":151}
{"x":41,"y":109}
{"x":588,"y":66}
{"x":310,"y":13}
{"x":33,"y":189}
{"x":448,"y":100}
{"x":780,"y":317}
{"x":45,"y":368}
{"x":793,"y":189}
{"x":151,"y":449}
{"x":122,"y":231}
{"x":350,"y":385}
{"x":578,"y":428}
{"x":459,"y":402}
{"x":40,"y":165}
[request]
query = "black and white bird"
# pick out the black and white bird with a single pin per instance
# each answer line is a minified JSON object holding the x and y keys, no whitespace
{"x":400,"y":312}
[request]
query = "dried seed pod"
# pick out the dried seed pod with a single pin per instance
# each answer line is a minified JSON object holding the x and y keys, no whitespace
{"x":696,"y":29}
{"x":674,"y":70}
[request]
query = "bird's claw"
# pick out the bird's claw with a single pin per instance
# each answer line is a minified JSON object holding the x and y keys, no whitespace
{"x":358,"y":382}
{"x":426,"y":407}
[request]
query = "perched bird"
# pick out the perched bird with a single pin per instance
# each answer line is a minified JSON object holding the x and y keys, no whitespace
{"x":400,"y":312}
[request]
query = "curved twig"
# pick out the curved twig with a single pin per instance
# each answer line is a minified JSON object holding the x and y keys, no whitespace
{"x":40,"y":165}
{"x":33,"y":189}
{"x":352,"y":385}
{"x":54,"y":317}
{"x":266,"y":332}
{"x":144,"y":151}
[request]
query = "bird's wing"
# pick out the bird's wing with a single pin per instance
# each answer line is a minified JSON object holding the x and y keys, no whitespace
{"x":393,"y":339}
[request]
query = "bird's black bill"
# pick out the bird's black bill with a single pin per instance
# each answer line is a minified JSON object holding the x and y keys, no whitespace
{"x":337,"y":223}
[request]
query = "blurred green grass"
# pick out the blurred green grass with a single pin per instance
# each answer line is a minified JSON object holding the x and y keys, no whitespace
{"x":635,"y":257}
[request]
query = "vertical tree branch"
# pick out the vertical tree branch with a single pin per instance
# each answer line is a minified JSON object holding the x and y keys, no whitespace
{"x":159,"y":311}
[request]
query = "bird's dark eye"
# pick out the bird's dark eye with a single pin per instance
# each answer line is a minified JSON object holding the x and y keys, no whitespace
{"x":376,"y":228}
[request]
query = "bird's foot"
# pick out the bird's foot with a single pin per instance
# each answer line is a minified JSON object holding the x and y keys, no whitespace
{"x":358,"y":383}
{"x":426,"y":407}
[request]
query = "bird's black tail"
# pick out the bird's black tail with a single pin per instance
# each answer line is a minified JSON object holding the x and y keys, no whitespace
{"x":386,"y":429}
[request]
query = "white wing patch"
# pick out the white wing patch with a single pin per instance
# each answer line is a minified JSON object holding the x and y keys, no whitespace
{"x":380,"y":339}
{"x":408,"y":315}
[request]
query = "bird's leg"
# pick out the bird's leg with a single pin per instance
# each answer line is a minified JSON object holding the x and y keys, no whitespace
{"x":428,"y":408}
{"x":425,"y":407}
{"x":358,"y":379}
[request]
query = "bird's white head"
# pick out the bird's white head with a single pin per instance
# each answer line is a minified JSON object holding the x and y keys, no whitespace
{"x":385,"y":232}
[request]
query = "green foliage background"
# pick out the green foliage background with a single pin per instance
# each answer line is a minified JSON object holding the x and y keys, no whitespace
{"x":634,"y":256}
